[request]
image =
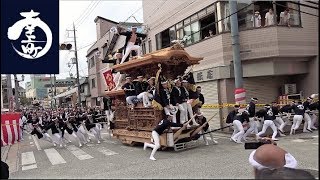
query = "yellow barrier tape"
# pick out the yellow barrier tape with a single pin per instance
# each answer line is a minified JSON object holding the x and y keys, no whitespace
{"x":225,"y":105}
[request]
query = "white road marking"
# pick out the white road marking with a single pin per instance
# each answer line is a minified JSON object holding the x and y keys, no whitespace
{"x":316,"y":143}
{"x":298,"y":140}
{"x":79,"y":153}
{"x":106,"y":151}
{"x":317,"y":136}
{"x":54,"y":157}
{"x":27,"y":158}
{"x":33,"y":166}
{"x":37,"y":143}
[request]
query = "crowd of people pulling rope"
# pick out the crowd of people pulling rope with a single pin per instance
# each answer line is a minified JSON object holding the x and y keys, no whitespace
{"x":75,"y":122}
{"x":247,"y":121}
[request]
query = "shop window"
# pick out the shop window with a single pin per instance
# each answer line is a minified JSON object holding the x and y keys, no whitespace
{"x":207,"y":24}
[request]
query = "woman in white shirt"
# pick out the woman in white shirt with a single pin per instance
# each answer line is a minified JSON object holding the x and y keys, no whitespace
{"x":269,"y":18}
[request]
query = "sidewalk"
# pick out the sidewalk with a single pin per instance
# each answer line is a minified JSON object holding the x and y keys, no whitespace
{"x":4,"y":152}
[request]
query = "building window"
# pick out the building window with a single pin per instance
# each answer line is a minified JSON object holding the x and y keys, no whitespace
{"x":150,"y":46}
{"x":143,"y":48}
{"x":158,"y":41}
{"x":245,"y":15}
{"x":179,"y":34}
{"x":187,"y":32}
{"x":172,"y":33}
{"x":208,"y":27}
{"x":93,"y":83}
{"x":91,"y":61}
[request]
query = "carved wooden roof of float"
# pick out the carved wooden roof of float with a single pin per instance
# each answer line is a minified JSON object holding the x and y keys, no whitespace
{"x":115,"y":93}
{"x":173,"y":56}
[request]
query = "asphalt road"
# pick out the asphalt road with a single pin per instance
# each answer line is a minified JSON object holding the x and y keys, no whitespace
{"x":111,"y":159}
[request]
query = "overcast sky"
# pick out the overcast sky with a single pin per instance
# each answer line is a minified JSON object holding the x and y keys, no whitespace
{"x":83,"y":14}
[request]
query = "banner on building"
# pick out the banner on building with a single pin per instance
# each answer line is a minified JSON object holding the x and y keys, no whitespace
{"x":10,"y":128}
{"x":109,"y":79}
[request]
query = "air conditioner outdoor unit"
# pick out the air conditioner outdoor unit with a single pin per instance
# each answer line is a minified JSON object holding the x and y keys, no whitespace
{"x":290,"y":89}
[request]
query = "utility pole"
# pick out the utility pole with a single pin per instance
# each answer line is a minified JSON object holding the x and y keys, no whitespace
{"x":9,"y":91}
{"x":51,"y":102}
{"x":240,"y":93}
{"x":77,"y":65}
{"x":55,"y":90}
{"x":16,"y":96}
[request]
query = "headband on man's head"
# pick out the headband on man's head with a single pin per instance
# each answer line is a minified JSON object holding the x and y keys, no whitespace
{"x":291,"y":162}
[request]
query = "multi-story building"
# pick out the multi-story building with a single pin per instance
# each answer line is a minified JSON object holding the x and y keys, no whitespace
{"x":106,"y":43}
{"x":40,"y":86}
{"x":70,"y":97}
{"x":271,"y":56}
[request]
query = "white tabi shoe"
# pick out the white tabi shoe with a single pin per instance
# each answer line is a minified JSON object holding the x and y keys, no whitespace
{"x":152,"y":158}
{"x":275,"y":139}
{"x":313,"y":128}
{"x":99,"y":142}
{"x":144,"y":146}
{"x":233,"y":139}
{"x":80,"y":145}
{"x":214,"y":141}
{"x":282,"y":135}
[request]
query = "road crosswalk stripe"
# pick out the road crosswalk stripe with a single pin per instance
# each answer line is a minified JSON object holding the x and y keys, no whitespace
{"x":27,"y":158}
{"x":106,"y":151}
{"x":36,"y":142}
{"x":79,"y":153}
{"x":54,"y":156}
{"x":32,"y":166}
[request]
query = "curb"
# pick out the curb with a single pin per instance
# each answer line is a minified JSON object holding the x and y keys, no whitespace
{"x":4,"y":152}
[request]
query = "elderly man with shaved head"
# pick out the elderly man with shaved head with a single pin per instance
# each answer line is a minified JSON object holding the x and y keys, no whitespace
{"x":270,"y":156}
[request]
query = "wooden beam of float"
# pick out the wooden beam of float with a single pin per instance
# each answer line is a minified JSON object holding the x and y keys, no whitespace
{"x":174,"y":56}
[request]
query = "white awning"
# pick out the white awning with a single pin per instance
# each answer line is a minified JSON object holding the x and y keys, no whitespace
{"x":71,"y":91}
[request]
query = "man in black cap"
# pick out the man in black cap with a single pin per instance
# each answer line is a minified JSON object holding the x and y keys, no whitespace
{"x":129,"y":91}
{"x":277,"y":118}
{"x":131,"y":42}
{"x":299,"y":111}
{"x":307,"y":115}
{"x":158,"y":130}
{"x":141,"y":88}
{"x":267,"y":116}
{"x":165,"y":97}
{"x":251,"y":108}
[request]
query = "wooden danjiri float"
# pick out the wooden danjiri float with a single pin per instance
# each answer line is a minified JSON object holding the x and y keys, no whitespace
{"x":133,"y":126}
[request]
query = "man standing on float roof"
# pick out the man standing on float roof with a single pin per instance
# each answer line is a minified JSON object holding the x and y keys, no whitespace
{"x":131,"y":42}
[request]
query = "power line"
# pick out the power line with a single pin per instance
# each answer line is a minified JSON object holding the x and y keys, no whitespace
{"x":86,"y":14}
{"x":155,"y":10}
{"x":132,"y":14}
{"x":85,"y":17}
{"x":81,"y":15}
